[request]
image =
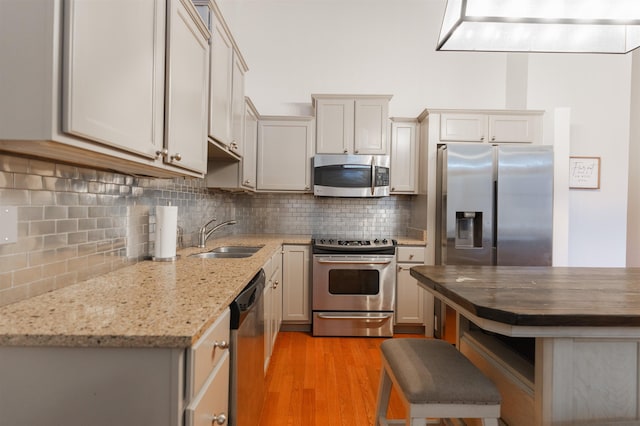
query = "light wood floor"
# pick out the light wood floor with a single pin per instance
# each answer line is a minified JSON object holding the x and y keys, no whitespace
{"x":324,"y":381}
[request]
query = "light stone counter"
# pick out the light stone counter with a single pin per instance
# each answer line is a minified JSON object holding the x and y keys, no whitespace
{"x":150,"y":304}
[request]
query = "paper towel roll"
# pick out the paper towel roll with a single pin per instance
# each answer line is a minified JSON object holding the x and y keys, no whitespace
{"x":166,"y":229}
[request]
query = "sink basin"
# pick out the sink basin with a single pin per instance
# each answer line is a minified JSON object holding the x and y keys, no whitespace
{"x":236,"y":249}
{"x":228,"y":252}
{"x":213,"y":255}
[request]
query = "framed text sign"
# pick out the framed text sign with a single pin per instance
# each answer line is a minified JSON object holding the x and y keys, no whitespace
{"x":584,"y":172}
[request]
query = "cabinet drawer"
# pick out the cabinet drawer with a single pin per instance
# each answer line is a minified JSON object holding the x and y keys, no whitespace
{"x":213,"y":400}
{"x":410,"y":254}
{"x":208,"y":351}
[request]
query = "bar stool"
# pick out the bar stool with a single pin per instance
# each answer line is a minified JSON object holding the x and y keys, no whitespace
{"x":434,"y":380}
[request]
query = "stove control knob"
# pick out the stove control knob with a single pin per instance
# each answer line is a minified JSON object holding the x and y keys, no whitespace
{"x":384,"y":241}
{"x":376,"y":241}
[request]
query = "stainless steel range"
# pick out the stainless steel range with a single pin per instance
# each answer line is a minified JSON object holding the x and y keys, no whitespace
{"x":354,"y":287}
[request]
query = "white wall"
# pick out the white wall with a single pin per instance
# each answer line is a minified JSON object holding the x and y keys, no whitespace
{"x":597,"y":89}
{"x":298,"y":47}
{"x":633,"y":215}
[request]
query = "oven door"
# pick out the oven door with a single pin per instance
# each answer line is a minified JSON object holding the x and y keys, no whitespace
{"x":353,"y":282}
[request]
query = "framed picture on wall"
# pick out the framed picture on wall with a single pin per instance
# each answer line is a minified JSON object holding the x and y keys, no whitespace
{"x":584,"y":172}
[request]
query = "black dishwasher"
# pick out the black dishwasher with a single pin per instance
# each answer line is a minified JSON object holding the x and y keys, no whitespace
{"x":246,"y":391}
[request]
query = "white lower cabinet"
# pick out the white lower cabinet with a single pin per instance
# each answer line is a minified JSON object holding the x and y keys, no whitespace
{"x":210,"y":406}
{"x":98,"y":386}
{"x":272,"y":304}
{"x":296,"y":292}
{"x":208,"y":375}
{"x":411,"y":299}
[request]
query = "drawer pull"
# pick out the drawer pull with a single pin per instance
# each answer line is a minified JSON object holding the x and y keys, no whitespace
{"x":219,"y":419}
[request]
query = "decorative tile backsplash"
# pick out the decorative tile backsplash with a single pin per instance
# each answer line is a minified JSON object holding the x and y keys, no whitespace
{"x":75,"y":223}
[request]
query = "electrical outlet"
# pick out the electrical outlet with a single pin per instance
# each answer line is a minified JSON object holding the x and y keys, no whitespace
{"x":8,"y":224}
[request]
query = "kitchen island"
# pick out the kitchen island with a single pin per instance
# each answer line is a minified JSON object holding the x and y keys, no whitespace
{"x":585,"y":323}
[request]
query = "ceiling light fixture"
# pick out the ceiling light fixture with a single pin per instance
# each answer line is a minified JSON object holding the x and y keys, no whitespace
{"x":574,"y":26}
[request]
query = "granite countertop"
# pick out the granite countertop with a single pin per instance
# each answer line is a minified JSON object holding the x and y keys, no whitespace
{"x":149,"y":304}
{"x":540,"y":296}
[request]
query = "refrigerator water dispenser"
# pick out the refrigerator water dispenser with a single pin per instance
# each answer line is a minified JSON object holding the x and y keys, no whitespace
{"x":468,"y":229}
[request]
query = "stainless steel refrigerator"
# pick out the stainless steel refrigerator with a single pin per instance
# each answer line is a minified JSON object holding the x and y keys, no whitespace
{"x":495,"y":205}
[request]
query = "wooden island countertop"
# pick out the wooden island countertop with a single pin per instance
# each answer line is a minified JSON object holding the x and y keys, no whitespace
{"x":586,"y":326}
{"x":540,"y":296}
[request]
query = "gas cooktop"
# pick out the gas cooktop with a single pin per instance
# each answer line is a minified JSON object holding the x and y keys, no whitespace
{"x":329,"y":245}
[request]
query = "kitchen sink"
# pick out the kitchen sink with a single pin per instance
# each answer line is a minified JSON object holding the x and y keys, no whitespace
{"x":236,"y":249}
{"x":228,"y":252}
{"x":213,"y":255}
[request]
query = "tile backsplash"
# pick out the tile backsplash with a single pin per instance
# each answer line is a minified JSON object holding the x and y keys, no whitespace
{"x":75,"y":223}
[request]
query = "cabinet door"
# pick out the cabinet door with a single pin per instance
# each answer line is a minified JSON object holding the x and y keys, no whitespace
{"x":371,"y":126}
{"x":404,"y":157}
{"x":284,"y":154}
{"x":221,"y":84}
{"x":248,"y":177}
{"x":463,"y":127}
{"x":267,"y":295}
{"x":187,"y":84}
{"x":334,"y":126}
{"x":213,"y":401}
{"x":237,"y":107}
{"x":276,"y":298}
{"x":512,"y":128}
{"x":296,"y":296}
{"x":409,"y":297}
{"x":106,"y":99}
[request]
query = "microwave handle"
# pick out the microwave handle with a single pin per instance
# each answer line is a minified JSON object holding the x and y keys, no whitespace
{"x":373,"y":176}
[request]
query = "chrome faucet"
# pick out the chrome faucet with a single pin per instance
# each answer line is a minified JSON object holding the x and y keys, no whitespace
{"x":203,"y":234}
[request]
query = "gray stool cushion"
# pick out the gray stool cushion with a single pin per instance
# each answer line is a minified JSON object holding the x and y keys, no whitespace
{"x":433,"y":371}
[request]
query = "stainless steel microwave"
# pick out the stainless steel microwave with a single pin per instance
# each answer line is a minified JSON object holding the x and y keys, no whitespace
{"x":343,"y":175}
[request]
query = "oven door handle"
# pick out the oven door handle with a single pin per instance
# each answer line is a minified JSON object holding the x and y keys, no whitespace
{"x":353,"y":262}
{"x":354,"y":317}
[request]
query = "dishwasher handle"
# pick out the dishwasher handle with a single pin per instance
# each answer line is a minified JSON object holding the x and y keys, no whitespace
{"x":248,"y":298}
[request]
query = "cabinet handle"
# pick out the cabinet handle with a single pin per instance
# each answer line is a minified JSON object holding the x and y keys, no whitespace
{"x":247,"y":182}
{"x":307,"y":188}
{"x":357,"y":151}
{"x":493,"y":138}
{"x":162,"y":153}
{"x":219,"y":419}
{"x":275,"y":284}
{"x":410,"y":256}
{"x":345,"y":151}
{"x":176,"y":157}
{"x":393,"y":188}
{"x":481,"y":138}
{"x":222,"y":344}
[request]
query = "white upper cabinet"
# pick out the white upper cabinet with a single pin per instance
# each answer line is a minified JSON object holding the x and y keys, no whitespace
{"x":105,"y":100}
{"x":404,"y":155}
{"x":187,"y":84}
{"x":88,"y":86}
{"x":351,"y":124}
{"x":517,"y":127}
{"x":237,"y":106}
{"x":285,"y":151}
{"x":249,"y":158}
{"x":221,"y":83}
{"x":226,"y":88}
